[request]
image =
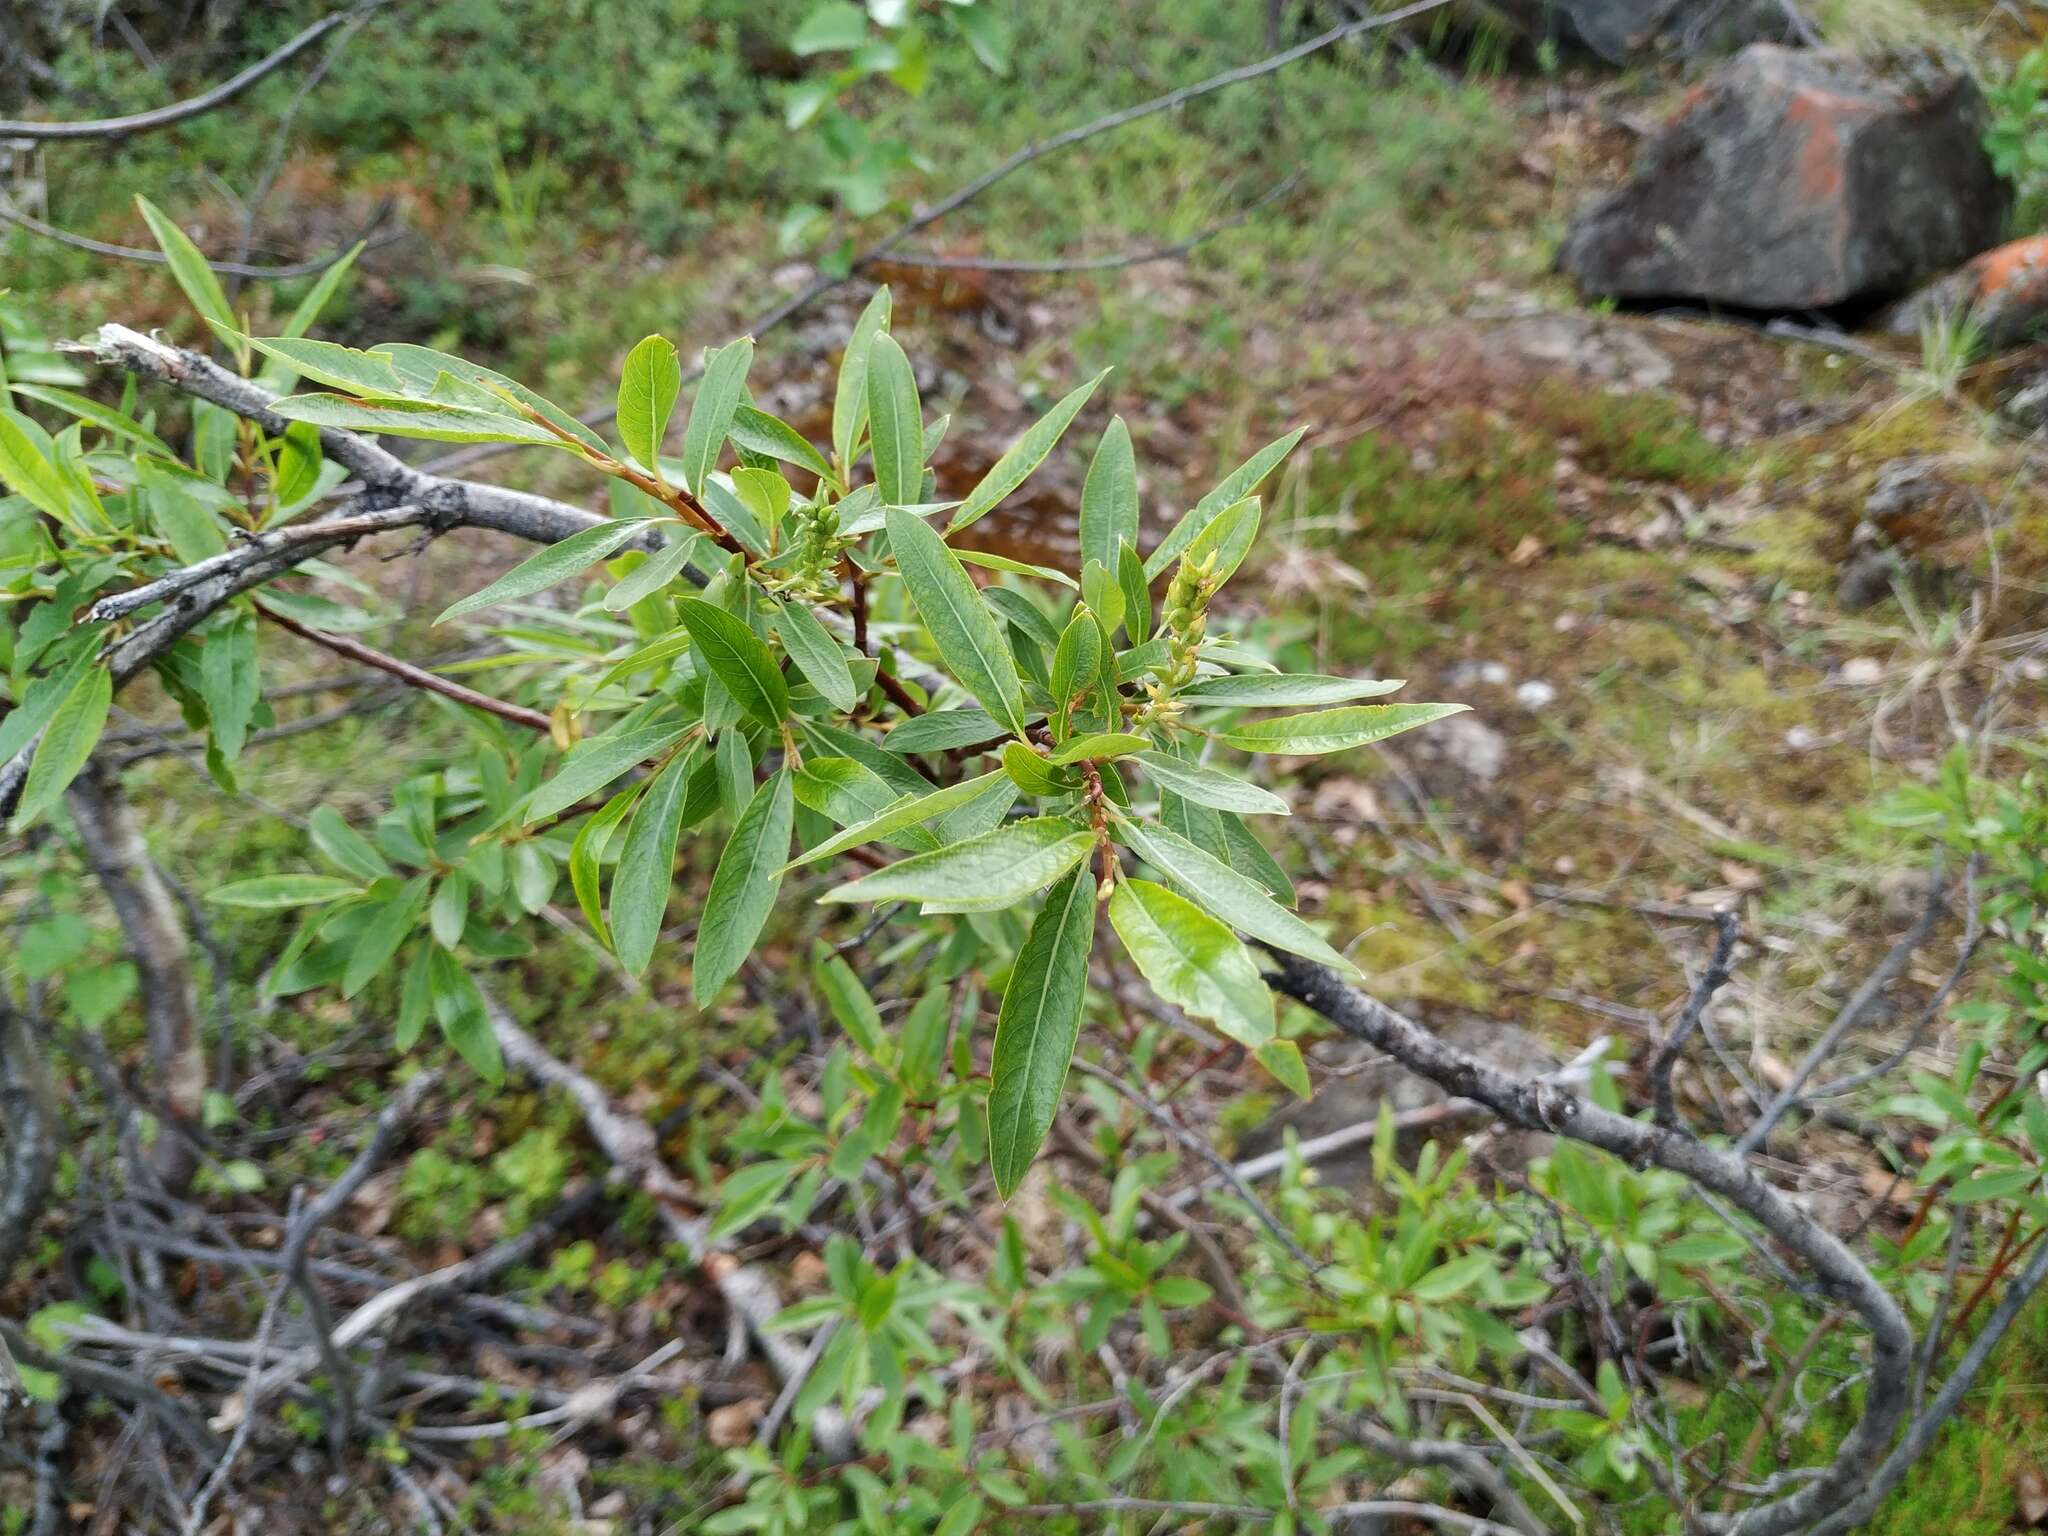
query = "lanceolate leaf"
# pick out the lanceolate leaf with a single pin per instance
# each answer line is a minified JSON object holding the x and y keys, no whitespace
{"x":984,"y":873}
{"x":1263,"y":690}
{"x":743,"y":890}
{"x":1236,"y":899}
{"x":758,"y":432}
{"x":188,"y":267}
{"x":1023,"y":456}
{"x":25,"y":466}
{"x":590,"y":765}
{"x":1237,"y":485}
{"x":737,"y":658}
{"x":1193,"y":961}
{"x":1333,"y":730}
{"x":820,"y":658}
{"x":908,"y":812}
{"x":1100,"y":744}
{"x":1037,"y":1028}
{"x":68,"y":740}
{"x":968,"y":635}
{"x":558,"y":562}
{"x":586,"y":856}
{"x":648,"y":386}
{"x":416,"y":418}
{"x":850,"y":792}
{"x":379,"y":939}
{"x":850,"y":402}
{"x":1109,"y":497}
{"x":895,"y":423}
{"x":1208,"y":786}
{"x":266,"y":892}
{"x":647,"y":863}
{"x":943,"y":729}
{"x":719,"y":394}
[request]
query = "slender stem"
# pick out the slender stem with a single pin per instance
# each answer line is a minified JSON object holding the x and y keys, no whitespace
{"x":407,"y":673}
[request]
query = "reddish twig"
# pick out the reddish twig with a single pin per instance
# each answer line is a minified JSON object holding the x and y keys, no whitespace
{"x":410,"y":675}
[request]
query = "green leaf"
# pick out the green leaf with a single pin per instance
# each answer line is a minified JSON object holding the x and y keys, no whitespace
{"x":719,"y":395}
{"x":1228,"y":538}
{"x":848,"y":792}
{"x":911,"y":811}
{"x":229,"y":683}
{"x":1207,"y":786}
{"x":1100,"y":744}
{"x":982,"y":874}
{"x":653,"y":573}
{"x":448,"y":912}
{"x":849,"y":1001}
{"x":820,"y":658}
{"x":1450,"y":1278}
{"x":267,"y":892}
{"x":558,"y":562}
{"x":371,"y":375}
{"x":942,"y":730}
{"x":104,"y":417}
{"x":415,"y":999}
{"x":1333,"y":730}
{"x":422,"y":369}
{"x":1246,"y":854}
{"x":1033,"y":774}
{"x":1237,"y":899}
{"x":67,"y":742}
{"x":344,"y":847}
{"x":1037,"y":1028}
{"x":1130,"y":578}
{"x":298,"y":464}
{"x":389,"y":926}
{"x":1109,"y":497}
{"x":1264,"y":690}
{"x":1077,"y":659}
{"x":737,"y":658}
{"x":968,"y":635}
{"x":647,"y":864}
{"x":896,"y":422}
{"x":837,"y":26}
{"x":1193,"y":961}
{"x":415,"y":418}
{"x":590,"y":765}
{"x":989,"y":562}
{"x":25,"y":466}
{"x":648,"y":386}
{"x":744,"y":889}
{"x":586,"y":857}
{"x":1236,"y":485}
{"x":758,"y":432}
{"x":1282,"y":1058}
{"x":850,"y":400}
{"x":189,"y":268}
{"x":1023,"y":456}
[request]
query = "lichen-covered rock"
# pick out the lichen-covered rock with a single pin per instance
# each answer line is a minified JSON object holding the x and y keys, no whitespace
{"x":1799,"y":179}
{"x":1623,"y":31}
{"x":2004,"y":291}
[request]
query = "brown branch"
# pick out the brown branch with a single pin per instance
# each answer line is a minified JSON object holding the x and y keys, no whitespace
{"x":410,"y":675}
{"x":12,"y":215}
{"x":192,"y":106}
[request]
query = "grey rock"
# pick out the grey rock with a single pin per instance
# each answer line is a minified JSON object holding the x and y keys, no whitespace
{"x":1799,"y":179}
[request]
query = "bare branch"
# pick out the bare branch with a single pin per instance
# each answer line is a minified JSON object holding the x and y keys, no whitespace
{"x":1114,"y":262}
{"x":631,"y":1144}
{"x":1859,"y":1003}
{"x":1544,"y":1107}
{"x":1711,"y":981}
{"x":10,"y":214}
{"x":410,"y":675}
{"x":192,"y":106}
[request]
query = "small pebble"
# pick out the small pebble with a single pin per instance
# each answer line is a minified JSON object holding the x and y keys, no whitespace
{"x":1535,"y":694}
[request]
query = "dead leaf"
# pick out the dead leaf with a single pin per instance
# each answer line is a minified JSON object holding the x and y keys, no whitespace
{"x":733,"y":1426}
{"x":807,"y":1273}
{"x":1517,"y":894}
